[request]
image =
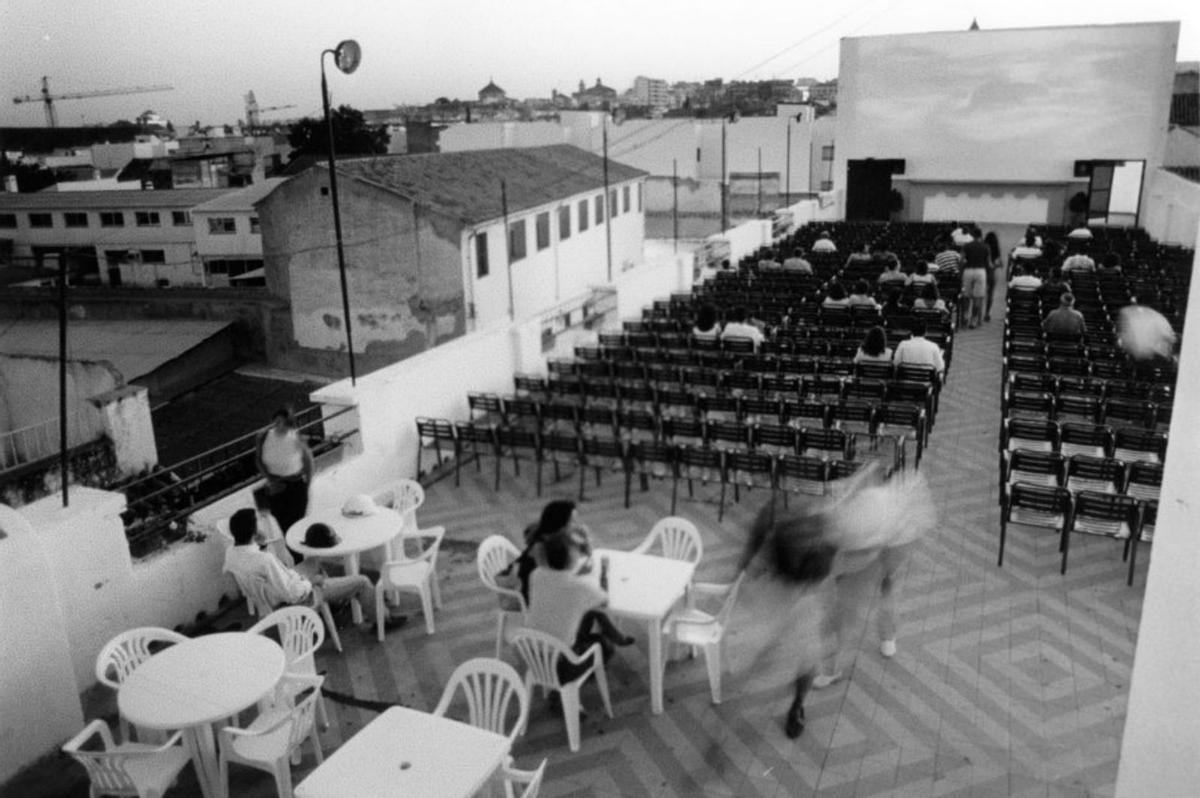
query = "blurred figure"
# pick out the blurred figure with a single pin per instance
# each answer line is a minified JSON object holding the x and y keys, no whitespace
{"x":1145,"y":333}
{"x":993,"y":245}
{"x":814,"y":547}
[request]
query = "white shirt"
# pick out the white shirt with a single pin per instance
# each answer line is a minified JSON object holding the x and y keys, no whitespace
{"x":284,"y":585}
{"x":558,"y":600}
{"x":739,"y":329}
{"x":1025,"y":281}
{"x":824,"y":245}
{"x":920,"y":351}
{"x":282,"y":455}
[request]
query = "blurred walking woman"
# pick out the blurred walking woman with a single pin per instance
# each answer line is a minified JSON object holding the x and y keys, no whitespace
{"x":286,"y":463}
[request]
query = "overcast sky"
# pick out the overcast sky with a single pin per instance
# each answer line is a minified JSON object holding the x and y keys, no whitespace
{"x":213,"y":51}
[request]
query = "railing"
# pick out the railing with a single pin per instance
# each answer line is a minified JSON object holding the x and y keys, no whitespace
{"x":27,"y":444}
{"x":158,"y":504}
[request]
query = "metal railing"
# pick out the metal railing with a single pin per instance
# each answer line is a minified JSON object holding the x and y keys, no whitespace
{"x":158,"y":504}
{"x":28,"y":444}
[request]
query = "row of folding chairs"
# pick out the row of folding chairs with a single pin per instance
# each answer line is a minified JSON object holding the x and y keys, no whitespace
{"x":1120,"y":516}
{"x":1138,"y":478}
{"x":1095,"y":440}
{"x":1055,"y":384}
{"x":1161,"y":372}
{"x":1087,"y":408}
{"x":701,"y":393}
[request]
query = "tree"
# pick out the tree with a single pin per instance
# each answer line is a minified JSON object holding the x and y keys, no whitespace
{"x":351,"y":135}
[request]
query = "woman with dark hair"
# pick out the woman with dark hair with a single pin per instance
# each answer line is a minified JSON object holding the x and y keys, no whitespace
{"x":874,"y":348}
{"x":835,"y":296}
{"x":706,"y":326}
{"x":930,"y":299}
{"x":993,"y":245}
{"x":861,"y":295}
{"x":921,"y":274}
{"x":286,"y":463}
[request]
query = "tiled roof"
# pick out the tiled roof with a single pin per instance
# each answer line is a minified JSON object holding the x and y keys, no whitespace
{"x":466,"y":185}
{"x":241,"y":199}
{"x":122,"y":200}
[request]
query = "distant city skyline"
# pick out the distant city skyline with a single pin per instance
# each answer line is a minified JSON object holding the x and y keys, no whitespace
{"x":212,"y":53}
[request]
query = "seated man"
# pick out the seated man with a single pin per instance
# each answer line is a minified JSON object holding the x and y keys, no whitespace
{"x":566,"y":601}
{"x":892,"y":274}
{"x":1078,"y":260}
{"x":1065,"y":319}
{"x":284,"y":585}
{"x":797,"y":263}
{"x":824,"y":243}
{"x":736,"y":326}
{"x":920,"y":350}
{"x":1022,"y":280}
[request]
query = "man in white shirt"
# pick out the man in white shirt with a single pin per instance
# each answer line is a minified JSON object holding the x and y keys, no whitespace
{"x":824,"y":243}
{"x":920,"y":350}
{"x":284,"y":585}
{"x":797,"y":263}
{"x":1022,"y":280}
{"x":961,"y":235}
{"x":1079,"y":260}
{"x":737,"y":327}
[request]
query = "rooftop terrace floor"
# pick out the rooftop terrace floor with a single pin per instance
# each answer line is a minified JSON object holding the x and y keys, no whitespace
{"x":1009,"y":681}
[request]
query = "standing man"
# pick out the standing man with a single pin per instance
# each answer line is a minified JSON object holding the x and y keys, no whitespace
{"x":977,"y":261}
{"x":286,"y":463}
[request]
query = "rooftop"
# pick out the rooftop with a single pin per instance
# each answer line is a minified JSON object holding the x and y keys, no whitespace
{"x":84,"y":200}
{"x":466,"y":185}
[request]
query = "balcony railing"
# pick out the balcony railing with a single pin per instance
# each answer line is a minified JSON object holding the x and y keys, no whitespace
{"x":28,"y":444}
{"x":158,"y":504}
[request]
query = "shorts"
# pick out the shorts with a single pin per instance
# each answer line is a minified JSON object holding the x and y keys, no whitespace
{"x":974,"y":283}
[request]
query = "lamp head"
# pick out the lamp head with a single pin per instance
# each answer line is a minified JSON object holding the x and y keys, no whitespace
{"x":347,"y":55}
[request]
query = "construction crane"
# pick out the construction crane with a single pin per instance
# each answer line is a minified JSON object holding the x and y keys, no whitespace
{"x":254,"y":112}
{"x":47,"y":99}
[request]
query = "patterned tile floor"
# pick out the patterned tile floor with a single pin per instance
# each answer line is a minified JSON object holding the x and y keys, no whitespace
{"x":1008,"y":682}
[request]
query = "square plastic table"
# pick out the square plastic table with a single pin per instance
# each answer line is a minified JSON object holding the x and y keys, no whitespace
{"x":644,"y":588}
{"x":405,"y":753}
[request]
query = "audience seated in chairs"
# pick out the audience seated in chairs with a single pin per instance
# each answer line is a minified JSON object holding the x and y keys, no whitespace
{"x":874,"y":348}
{"x":738,"y":327}
{"x":920,"y":350}
{"x":1065,"y":319}
{"x":1021,"y":280}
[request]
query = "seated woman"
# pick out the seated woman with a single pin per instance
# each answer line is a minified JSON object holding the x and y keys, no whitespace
{"x":835,"y":297}
{"x":929,"y":299}
{"x":921,"y":274}
{"x":706,"y":326}
{"x":558,"y":517}
{"x":566,"y":601}
{"x":861,"y":295}
{"x":892,"y":275}
{"x":874,"y":348}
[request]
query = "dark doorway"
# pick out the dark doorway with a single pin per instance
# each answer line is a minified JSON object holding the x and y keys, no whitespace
{"x":868,"y":189}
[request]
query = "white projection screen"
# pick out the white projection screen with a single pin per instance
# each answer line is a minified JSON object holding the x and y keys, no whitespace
{"x":1017,"y":105}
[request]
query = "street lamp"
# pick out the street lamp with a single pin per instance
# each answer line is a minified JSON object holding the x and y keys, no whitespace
{"x":346,"y":56}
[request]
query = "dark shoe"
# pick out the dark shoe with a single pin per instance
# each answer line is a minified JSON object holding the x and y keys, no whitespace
{"x":795,"y":725}
{"x":392,"y":623}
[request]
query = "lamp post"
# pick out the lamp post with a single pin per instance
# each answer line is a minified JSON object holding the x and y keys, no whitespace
{"x":346,"y":56}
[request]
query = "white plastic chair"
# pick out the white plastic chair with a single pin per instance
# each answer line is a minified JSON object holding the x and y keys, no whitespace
{"x":495,"y":554}
{"x":695,"y":627}
{"x":490,"y":686}
{"x":300,"y":634}
{"x":412,"y":575}
{"x":124,"y":653}
{"x":404,"y":496}
{"x":271,"y":738}
{"x":541,"y":653}
{"x":532,"y":779}
{"x":138,"y":769}
{"x":678,"y":537}
{"x":258,"y":595}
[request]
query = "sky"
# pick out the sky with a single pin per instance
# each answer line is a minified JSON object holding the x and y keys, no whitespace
{"x":214,"y":51}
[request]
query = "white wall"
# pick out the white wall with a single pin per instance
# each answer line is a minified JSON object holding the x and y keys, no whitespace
{"x":663,"y":274}
{"x":39,"y":702}
{"x":1171,"y":208}
{"x":242,"y":244}
{"x":1018,"y":104}
{"x":1162,"y":725}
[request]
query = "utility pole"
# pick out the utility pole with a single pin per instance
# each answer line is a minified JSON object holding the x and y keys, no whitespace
{"x":724,"y":184}
{"x":608,"y":215}
{"x":507,"y":248}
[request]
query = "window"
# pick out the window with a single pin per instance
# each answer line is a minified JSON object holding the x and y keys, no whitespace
{"x":826,"y":185}
{"x":542,"y":230}
{"x":827,"y":152}
{"x":639,"y":197}
{"x":222,"y":226}
{"x":146,"y":218}
{"x":75,"y":219}
{"x":41,"y":220}
{"x":625,"y":200}
{"x":612,"y":203}
{"x":180,"y":218}
{"x":583,"y":215}
{"x":255,"y":227}
{"x":516,"y":240}
{"x":481,"y":255}
{"x":154,"y":256}
{"x":564,"y":222}
{"x":112,"y":219}
{"x":599,"y":208}
{"x":8,"y":221}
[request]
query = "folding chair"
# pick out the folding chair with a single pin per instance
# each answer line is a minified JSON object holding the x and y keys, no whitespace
{"x":651,"y":459}
{"x":758,"y":408}
{"x":1022,"y":433}
{"x":1031,"y":467}
{"x":749,"y":470}
{"x":600,"y":453}
{"x":828,"y":444}
{"x":682,"y":429}
{"x":1034,"y":505}
{"x":519,"y":444}
{"x":1144,"y":481}
{"x":432,"y":433}
{"x":797,"y":474}
{"x":475,"y":439}
{"x":1098,"y":474}
{"x":486,"y":408}
{"x":703,"y":464}
{"x":728,"y":435}
{"x":636,"y":424}
{"x":1108,"y":514}
{"x":1080,"y":408}
{"x":1133,"y":445}
{"x":1090,"y":439}
{"x":899,"y":423}
{"x":530,"y":385}
{"x":559,"y":448}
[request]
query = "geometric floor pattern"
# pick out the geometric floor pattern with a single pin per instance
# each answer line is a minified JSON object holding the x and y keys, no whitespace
{"x":1008,"y":681}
